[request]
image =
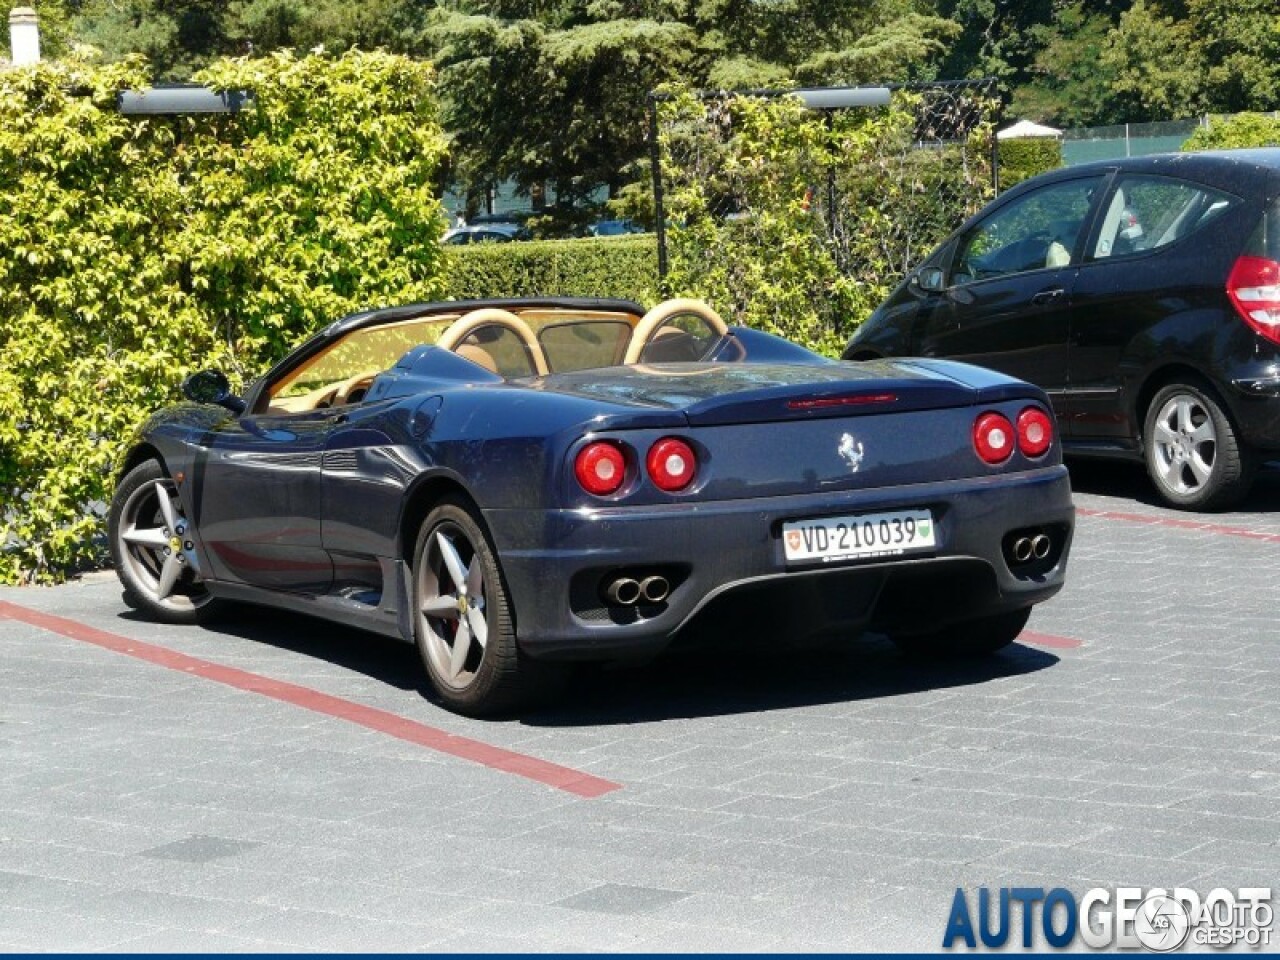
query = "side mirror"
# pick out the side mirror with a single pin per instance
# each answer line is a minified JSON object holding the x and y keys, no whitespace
{"x":211,"y":386}
{"x":930,"y":279}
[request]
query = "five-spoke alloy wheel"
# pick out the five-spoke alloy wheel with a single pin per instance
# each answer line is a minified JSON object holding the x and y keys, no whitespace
{"x":463,"y":623}
{"x":153,"y":547}
{"x":1192,"y":451}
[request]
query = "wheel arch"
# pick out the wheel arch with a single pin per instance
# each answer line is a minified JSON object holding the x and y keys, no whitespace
{"x":424,"y":494}
{"x":137,"y":454}
{"x":1163,"y":376}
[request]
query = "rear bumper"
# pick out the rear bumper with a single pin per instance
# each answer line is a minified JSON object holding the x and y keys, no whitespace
{"x":725,"y":562}
{"x":1255,"y":403}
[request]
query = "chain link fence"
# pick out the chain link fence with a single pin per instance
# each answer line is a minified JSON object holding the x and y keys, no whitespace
{"x":800,"y":220}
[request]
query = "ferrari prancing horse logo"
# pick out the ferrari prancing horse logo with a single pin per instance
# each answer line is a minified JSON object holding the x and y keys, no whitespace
{"x":851,"y":451}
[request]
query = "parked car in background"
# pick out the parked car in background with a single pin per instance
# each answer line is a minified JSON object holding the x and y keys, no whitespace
{"x":1143,"y":295}
{"x":614,"y":228}
{"x":485,"y":233}
{"x":516,"y":484}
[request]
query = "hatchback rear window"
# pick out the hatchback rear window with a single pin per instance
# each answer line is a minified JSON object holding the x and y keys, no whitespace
{"x":1146,"y":213}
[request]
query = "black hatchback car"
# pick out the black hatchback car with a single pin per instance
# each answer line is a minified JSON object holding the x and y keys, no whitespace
{"x":1142,"y":294}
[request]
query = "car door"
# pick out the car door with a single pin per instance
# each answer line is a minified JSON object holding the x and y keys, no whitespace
{"x":259,"y":500}
{"x":369,"y":463}
{"x":1137,"y":274}
{"x":1008,"y":290}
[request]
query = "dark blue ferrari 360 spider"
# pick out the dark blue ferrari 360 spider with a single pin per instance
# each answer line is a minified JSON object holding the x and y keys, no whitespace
{"x":513,"y":485}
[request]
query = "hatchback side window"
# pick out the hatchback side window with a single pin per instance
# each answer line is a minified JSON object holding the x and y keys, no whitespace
{"x":1035,"y":232}
{"x":1146,"y":213}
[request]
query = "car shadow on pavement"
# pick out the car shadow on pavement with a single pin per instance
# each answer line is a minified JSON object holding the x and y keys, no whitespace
{"x":704,"y":682}
{"x":1129,"y":481}
{"x":387,"y":660}
{"x":707,"y":683}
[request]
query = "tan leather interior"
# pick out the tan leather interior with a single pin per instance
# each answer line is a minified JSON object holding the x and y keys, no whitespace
{"x":467,"y":324}
{"x":652,"y":321}
{"x":477,"y":355}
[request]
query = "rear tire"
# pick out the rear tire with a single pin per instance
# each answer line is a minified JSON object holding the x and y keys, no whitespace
{"x":463,"y":622}
{"x":972,"y":638}
{"x":1193,"y":453}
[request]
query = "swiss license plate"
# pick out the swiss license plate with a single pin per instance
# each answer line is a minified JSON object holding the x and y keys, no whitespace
{"x":831,"y":539}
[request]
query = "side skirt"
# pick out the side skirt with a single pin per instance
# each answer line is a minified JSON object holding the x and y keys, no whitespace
{"x":390,"y":617}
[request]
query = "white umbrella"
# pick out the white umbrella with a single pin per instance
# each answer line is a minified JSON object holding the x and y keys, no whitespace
{"x":1025,"y":128}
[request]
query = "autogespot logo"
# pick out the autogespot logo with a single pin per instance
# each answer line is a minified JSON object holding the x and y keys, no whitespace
{"x":1129,"y":918}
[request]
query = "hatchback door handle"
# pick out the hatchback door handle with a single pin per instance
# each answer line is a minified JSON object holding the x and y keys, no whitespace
{"x":1048,"y":296}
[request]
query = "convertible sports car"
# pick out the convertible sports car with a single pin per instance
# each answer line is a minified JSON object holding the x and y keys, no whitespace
{"x":512,"y":485}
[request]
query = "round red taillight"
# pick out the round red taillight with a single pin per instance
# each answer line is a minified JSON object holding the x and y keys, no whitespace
{"x":993,"y":438}
{"x":671,"y":464}
{"x":600,"y":468}
{"x":1035,"y":432}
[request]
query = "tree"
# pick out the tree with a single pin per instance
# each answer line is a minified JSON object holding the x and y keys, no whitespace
{"x":1068,"y":85}
{"x":1157,"y":65}
{"x":555,"y":90}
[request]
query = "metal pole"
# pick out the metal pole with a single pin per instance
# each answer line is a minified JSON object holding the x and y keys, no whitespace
{"x":995,"y":148}
{"x":655,"y":163}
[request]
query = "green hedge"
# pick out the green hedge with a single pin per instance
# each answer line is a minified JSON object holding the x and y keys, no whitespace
{"x":1239,"y":131}
{"x":625,"y":267}
{"x":134,"y":250}
{"x":1026,"y":157}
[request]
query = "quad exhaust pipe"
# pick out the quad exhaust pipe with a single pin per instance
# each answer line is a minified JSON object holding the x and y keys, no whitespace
{"x":623,"y":592}
{"x":628,"y":591}
{"x":654,"y":589}
{"x":1026,"y":549}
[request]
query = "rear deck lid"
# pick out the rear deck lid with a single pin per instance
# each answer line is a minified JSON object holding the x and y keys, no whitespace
{"x":712,"y":394}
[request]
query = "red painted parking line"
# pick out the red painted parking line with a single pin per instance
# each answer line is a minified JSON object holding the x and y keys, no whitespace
{"x":1049,"y":640}
{"x":402,"y":728}
{"x":1178,"y":524}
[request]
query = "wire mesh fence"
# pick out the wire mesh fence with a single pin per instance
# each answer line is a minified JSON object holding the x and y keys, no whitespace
{"x":799,"y":221}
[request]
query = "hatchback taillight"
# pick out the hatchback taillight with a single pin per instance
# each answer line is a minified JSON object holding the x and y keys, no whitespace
{"x":1254,"y":288}
{"x":600,"y":468}
{"x":993,"y":438}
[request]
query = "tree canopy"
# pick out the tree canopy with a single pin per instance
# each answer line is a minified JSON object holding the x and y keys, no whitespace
{"x":553,"y":91}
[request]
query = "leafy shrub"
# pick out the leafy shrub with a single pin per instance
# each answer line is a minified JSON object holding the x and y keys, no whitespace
{"x":1241,"y":130}
{"x":800,"y":222}
{"x":1026,"y":157}
{"x":138,"y":249}
{"x":625,"y":267}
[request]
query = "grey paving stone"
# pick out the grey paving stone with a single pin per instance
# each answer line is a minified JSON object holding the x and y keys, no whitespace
{"x":621,"y":898}
{"x":827,"y":809}
{"x":200,"y":849}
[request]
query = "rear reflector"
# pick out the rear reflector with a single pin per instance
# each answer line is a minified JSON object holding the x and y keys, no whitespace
{"x":853,"y":400}
{"x":993,"y":438}
{"x":600,"y":468}
{"x":1035,"y":432}
{"x":671,"y":464}
{"x":1254,"y":289}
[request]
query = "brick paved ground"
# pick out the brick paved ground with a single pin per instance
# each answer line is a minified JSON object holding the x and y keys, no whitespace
{"x":815,"y":805}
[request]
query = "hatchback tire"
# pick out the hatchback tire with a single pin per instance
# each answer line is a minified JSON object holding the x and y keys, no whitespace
{"x":1193,"y":452}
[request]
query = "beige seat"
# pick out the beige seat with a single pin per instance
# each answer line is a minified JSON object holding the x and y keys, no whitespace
{"x":653,"y":321}
{"x":477,"y":355}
